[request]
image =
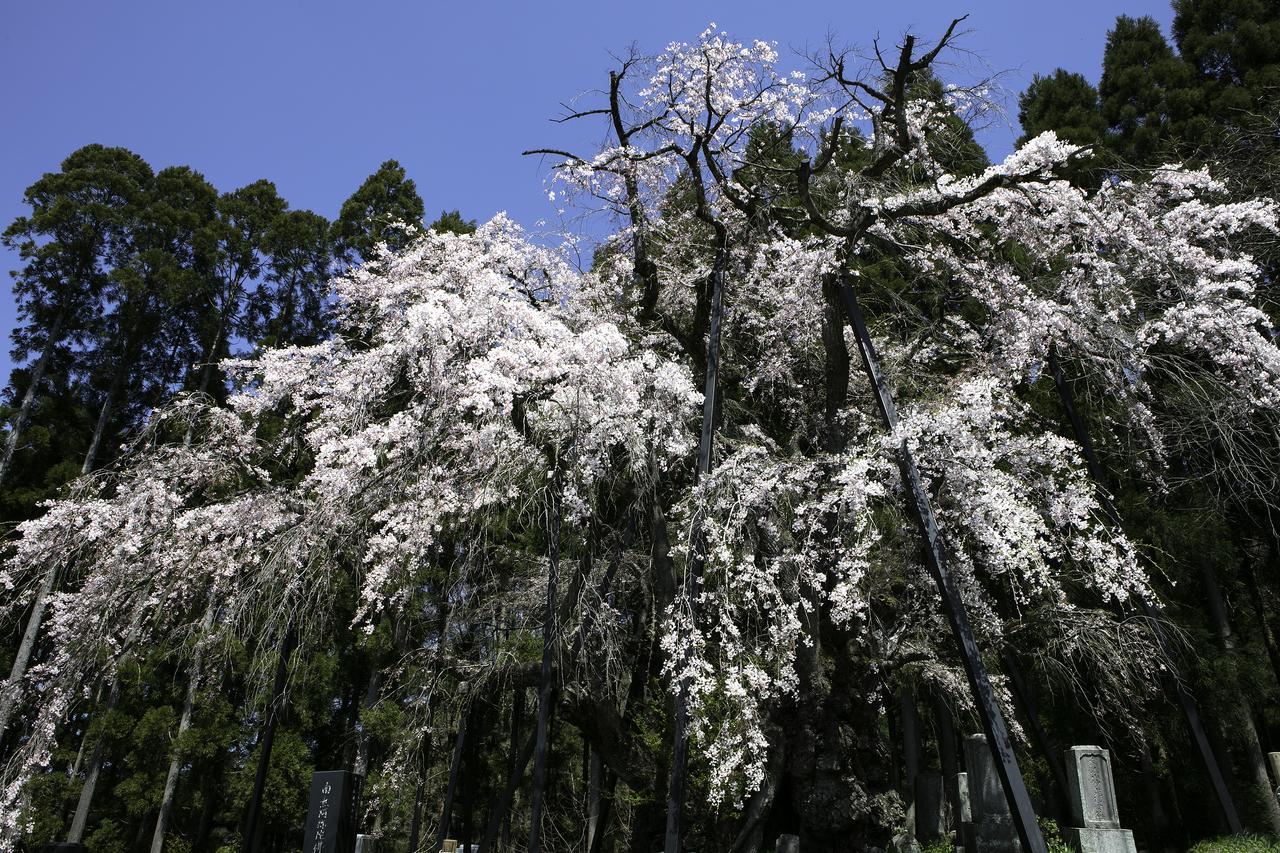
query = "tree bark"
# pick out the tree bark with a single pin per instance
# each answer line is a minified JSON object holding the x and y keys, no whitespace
{"x":1242,"y":714}
{"x":499,"y":815}
{"x":250,"y":842}
{"x":455,"y":767}
{"x":549,"y":632}
{"x":1156,"y":815}
{"x":184,"y":723}
{"x":1024,"y":699}
{"x":104,"y":415}
{"x":76,"y":835}
{"x":9,"y":695}
{"x":29,"y":397}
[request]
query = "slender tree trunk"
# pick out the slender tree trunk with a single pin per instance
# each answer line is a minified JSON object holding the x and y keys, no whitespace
{"x":1260,"y":605}
{"x":910,"y":738}
{"x":455,"y":767}
{"x":595,"y":773}
{"x":104,"y":415}
{"x":1243,"y":724}
{"x":184,"y":723}
{"x":9,"y":694}
{"x":1157,"y":817}
{"x":947,"y":758}
{"x":545,"y":686}
{"x":29,"y":397}
{"x":502,"y":808}
{"x":415,"y":827}
{"x":76,"y":835}
{"x":517,"y":714}
{"x":250,"y":843}
{"x":606,"y":810}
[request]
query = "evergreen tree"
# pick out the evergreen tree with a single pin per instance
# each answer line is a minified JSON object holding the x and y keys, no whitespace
{"x":1064,"y":102}
{"x":1146,"y":91}
{"x":376,"y":213}
{"x":77,"y":230}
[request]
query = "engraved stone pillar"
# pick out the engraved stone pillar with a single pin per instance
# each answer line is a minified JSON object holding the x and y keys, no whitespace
{"x":1093,"y":803}
{"x":992,"y":826}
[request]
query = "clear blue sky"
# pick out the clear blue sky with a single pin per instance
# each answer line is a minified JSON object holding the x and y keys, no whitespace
{"x":314,"y":95}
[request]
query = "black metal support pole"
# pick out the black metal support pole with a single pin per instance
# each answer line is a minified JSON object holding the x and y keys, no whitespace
{"x":697,"y":555}
{"x":1015,"y":790}
{"x":1152,"y":611}
{"x":249,"y":843}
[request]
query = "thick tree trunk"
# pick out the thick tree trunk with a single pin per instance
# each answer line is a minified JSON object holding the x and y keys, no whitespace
{"x":81,"y":818}
{"x":184,"y":723}
{"x":9,"y":694}
{"x":29,"y":398}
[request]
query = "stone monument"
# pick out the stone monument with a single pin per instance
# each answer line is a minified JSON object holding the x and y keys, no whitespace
{"x":331,"y":815}
{"x":1093,"y":803}
{"x":991,"y":829}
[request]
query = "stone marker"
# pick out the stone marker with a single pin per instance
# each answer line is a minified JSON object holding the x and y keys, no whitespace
{"x":1273,"y":760}
{"x":961,"y":822}
{"x":1093,"y":803}
{"x":930,"y":819}
{"x":331,"y":816}
{"x":991,"y":830}
{"x":788,"y":844}
{"x":962,"y":797}
{"x":366,"y":843}
{"x":450,"y":846}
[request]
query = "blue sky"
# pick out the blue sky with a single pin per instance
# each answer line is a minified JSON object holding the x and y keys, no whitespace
{"x":314,"y":95}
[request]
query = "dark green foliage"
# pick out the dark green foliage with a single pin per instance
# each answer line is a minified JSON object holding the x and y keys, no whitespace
{"x":1064,"y":102}
{"x":376,"y":213}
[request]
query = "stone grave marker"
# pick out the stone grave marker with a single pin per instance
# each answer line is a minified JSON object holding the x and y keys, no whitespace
{"x":1093,"y":803}
{"x":991,"y":829}
{"x":331,"y":815}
